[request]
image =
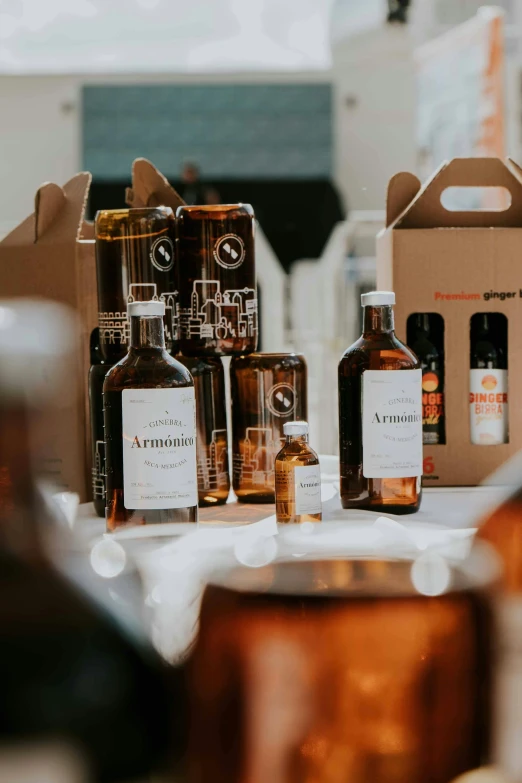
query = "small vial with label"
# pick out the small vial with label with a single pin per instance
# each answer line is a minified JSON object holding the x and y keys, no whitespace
{"x":297,"y":477}
{"x":380,"y":416}
{"x":150,"y":430}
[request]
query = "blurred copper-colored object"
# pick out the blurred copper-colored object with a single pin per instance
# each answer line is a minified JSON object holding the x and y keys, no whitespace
{"x":502,"y":528}
{"x":340,"y":672}
{"x":268,"y":389}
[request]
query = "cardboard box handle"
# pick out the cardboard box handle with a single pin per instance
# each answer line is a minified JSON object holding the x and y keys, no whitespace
{"x":48,"y":202}
{"x":427,"y":211}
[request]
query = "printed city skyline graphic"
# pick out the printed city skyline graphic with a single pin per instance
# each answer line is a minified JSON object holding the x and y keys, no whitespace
{"x":115,"y":327}
{"x":213,"y":463}
{"x":217,"y":314}
{"x":255,"y":464}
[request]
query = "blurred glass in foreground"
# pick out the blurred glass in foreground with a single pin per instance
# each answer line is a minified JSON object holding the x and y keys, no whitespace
{"x":69,"y":673}
{"x":367,"y":671}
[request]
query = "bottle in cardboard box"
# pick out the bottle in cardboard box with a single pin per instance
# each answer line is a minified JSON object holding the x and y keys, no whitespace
{"x":425,"y":339}
{"x":380,"y":416}
{"x":99,"y":369}
{"x":488,"y":380}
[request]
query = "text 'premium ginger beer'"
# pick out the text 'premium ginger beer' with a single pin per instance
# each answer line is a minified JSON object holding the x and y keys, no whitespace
{"x":380,"y":416}
{"x":150,"y":430}
{"x":217,"y":280}
{"x":488,"y":390}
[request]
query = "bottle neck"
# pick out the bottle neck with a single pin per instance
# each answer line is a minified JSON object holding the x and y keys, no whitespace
{"x":146,"y":331}
{"x":297,"y":438}
{"x":378,"y":320}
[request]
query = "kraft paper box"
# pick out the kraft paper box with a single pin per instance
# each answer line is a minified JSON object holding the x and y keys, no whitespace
{"x":457,"y":264}
{"x":50,"y":255}
{"x":150,"y":188}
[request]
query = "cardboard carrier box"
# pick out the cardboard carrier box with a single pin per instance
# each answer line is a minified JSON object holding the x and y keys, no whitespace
{"x":458,"y":266}
{"x":50,"y":255}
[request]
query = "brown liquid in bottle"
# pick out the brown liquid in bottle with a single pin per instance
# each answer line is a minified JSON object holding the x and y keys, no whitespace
{"x":211,"y":419}
{"x":134,"y":262}
{"x":297,"y":478}
{"x":146,"y":366}
{"x":268,"y":389}
{"x":377,"y":349}
{"x":217,"y":280}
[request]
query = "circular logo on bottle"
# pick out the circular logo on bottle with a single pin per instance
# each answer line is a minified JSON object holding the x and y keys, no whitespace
{"x":489,"y":382}
{"x":162,"y":254}
{"x":281,"y":399}
{"x":229,"y":251}
{"x":430,"y":382}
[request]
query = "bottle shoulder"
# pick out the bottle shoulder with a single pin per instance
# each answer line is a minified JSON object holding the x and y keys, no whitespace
{"x":379,"y":352}
{"x":146,"y":369}
{"x":295,"y":452}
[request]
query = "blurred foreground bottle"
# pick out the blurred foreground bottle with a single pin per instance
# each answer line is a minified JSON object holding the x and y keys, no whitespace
{"x":502,"y":528}
{"x":339,"y":671}
{"x":69,"y":672}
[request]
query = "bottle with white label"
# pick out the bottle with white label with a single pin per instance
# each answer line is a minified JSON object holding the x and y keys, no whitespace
{"x":380,"y":416}
{"x":488,"y":381}
{"x":150,"y":430}
{"x":297,"y":477}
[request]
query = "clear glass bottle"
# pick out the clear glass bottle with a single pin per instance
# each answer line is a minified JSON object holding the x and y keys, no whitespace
{"x":380,"y":416}
{"x":488,"y":385}
{"x":150,"y":430}
{"x":297,"y":477}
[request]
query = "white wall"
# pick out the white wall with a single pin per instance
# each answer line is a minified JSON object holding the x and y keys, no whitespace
{"x":40,"y":128}
{"x":374,"y":115}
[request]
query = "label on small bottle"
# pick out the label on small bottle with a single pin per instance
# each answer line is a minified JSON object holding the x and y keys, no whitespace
{"x":159,"y":448}
{"x":488,"y":407}
{"x":392,"y":423}
{"x":432,"y":407}
{"x":307,"y":484}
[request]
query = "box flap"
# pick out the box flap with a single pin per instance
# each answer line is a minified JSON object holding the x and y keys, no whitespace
{"x":150,"y":188}
{"x":402,"y":189}
{"x":58,"y":216}
{"x":427,"y":211}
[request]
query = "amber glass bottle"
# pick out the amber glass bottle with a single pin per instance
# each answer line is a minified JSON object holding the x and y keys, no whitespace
{"x":211,"y":418}
{"x":98,"y":371}
{"x":380,"y":416}
{"x":134,"y":262}
{"x":488,"y":384}
{"x":150,"y":430}
{"x":217,"y":279}
{"x":297,"y":477}
{"x":268,"y":389}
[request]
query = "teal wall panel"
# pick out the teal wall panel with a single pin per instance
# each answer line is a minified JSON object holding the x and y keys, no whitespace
{"x":232,"y":131}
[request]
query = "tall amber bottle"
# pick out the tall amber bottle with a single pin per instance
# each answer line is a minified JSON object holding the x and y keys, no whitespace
{"x":380,"y":416}
{"x":217,"y":280}
{"x":150,"y":430}
{"x":211,"y":421}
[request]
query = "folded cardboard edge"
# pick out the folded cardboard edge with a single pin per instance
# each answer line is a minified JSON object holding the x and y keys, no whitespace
{"x":150,"y":188}
{"x":59,"y":212}
{"x":426,"y":211}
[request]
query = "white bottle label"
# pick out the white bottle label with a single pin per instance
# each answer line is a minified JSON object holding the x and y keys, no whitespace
{"x":307,"y":484}
{"x":159,"y":448}
{"x":488,"y":407}
{"x":392,"y":423}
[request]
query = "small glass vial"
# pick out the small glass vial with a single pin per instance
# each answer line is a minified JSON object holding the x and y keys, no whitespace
{"x":150,"y":430}
{"x":297,"y":477}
